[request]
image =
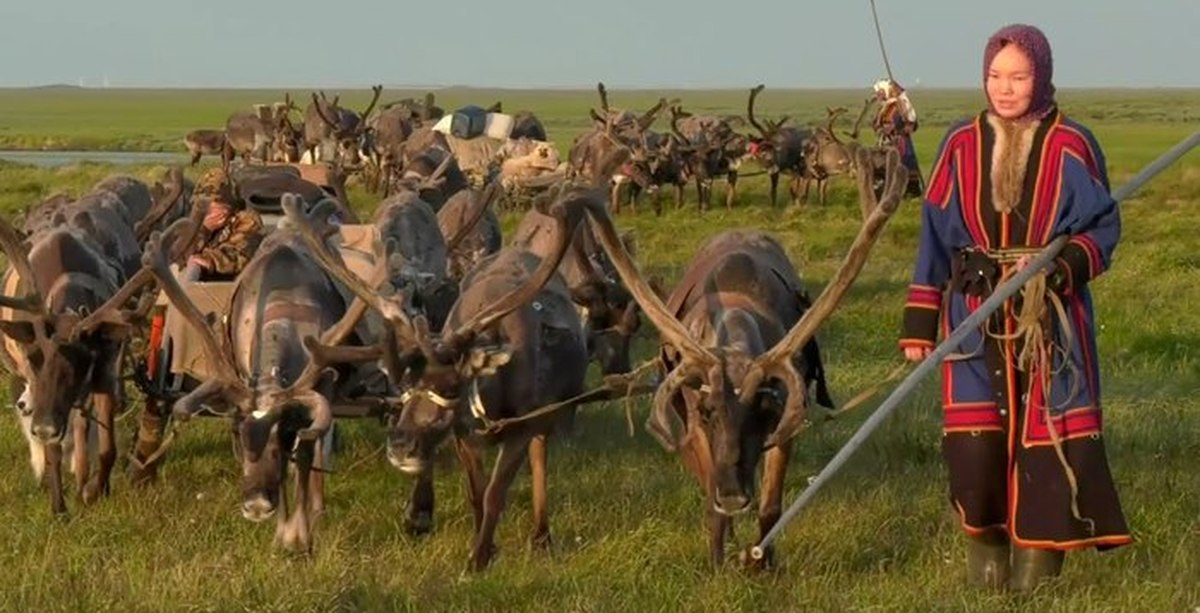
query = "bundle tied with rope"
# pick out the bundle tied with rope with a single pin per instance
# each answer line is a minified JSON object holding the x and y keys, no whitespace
{"x":1042,"y":331}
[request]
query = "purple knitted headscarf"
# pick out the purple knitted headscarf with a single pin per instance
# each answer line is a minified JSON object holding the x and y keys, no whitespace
{"x":1037,"y":49}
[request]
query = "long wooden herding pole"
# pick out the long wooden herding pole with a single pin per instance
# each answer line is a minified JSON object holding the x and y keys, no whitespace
{"x":968,"y":325}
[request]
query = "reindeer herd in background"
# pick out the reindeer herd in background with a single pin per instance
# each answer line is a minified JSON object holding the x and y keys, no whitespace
{"x":383,"y":140}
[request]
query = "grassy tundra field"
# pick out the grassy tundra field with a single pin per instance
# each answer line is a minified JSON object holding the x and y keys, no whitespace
{"x":626,"y":518}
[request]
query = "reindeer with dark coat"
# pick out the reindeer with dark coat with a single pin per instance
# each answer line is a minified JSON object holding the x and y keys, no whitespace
{"x":512,"y":344}
{"x":739,"y":359}
{"x":778,"y":150}
{"x":268,"y":370}
{"x":709,"y":148}
{"x":78,"y":274}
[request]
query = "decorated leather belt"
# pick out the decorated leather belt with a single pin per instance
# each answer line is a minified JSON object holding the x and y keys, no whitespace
{"x":976,"y":272}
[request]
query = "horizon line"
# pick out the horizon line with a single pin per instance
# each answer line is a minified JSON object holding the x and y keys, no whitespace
{"x":559,"y":88}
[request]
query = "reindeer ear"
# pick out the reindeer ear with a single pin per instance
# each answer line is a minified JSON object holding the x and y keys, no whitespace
{"x":483,"y":361}
{"x":20,"y":331}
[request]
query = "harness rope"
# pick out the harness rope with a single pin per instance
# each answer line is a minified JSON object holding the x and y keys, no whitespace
{"x":612,"y":383}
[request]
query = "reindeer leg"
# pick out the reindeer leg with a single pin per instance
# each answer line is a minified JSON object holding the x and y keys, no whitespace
{"x":104,"y":405}
{"x":471,"y":459}
{"x":149,"y":438}
{"x":418,"y":517}
{"x":512,"y":455}
{"x":770,"y":505}
{"x":730,"y":188}
{"x":295,"y":534}
{"x":537,"y":470}
{"x":79,"y":449}
{"x":697,"y":457}
{"x":614,"y":198}
{"x":316,"y":478}
{"x":774,"y":187}
{"x":719,"y":525}
{"x":53,"y":472}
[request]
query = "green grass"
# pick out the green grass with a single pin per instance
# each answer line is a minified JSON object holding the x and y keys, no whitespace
{"x":625,"y":517}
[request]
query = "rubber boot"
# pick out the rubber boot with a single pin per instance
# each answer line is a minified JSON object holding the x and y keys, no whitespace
{"x":987,"y":561}
{"x":1032,"y":566}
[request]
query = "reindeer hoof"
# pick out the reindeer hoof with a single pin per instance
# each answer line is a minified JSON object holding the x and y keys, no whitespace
{"x":481,"y":558}
{"x":293,"y":543}
{"x":748,"y":562}
{"x":93,"y":491}
{"x":541,"y":542}
{"x":143,"y":477}
{"x":418,"y":524}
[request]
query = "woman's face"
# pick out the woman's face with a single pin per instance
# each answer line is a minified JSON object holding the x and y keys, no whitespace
{"x":1010,"y":82}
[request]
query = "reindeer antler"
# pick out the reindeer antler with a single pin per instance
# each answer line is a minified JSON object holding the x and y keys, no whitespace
{"x":321,"y":111}
{"x":750,"y":111}
{"x":833,"y":115}
{"x":777,"y":362}
{"x":162,"y":205}
{"x":377,"y":90}
{"x":861,"y":115}
{"x":226,"y":382}
{"x":603,"y":98}
{"x":483,"y":201}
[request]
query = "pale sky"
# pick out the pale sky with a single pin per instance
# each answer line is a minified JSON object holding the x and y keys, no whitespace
{"x":570,"y":43}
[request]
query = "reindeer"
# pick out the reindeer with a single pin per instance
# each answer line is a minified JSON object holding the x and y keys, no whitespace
{"x":738,"y":358}
{"x":778,"y":150}
{"x":266,"y":134}
{"x":607,"y":309}
{"x":611,"y":132}
{"x":267,"y":367}
{"x":827,"y":156}
{"x":332,"y":133}
{"x":471,"y":228}
{"x":383,"y":142}
{"x":200,"y":143}
{"x":434,"y":172}
{"x":78,"y":277}
{"x":512,"y":343}
{"x":709,"y":148}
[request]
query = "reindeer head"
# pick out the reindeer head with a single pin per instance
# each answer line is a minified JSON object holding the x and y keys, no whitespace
{"x":763,"y":148}
{"x":350,"y":130}
{"x":611,"y":316}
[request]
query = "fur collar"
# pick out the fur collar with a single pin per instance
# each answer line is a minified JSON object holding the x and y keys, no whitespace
{"x":1010,"y":159}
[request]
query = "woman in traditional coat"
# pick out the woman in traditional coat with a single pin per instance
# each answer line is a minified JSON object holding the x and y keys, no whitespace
{"x":1022,"y":426}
